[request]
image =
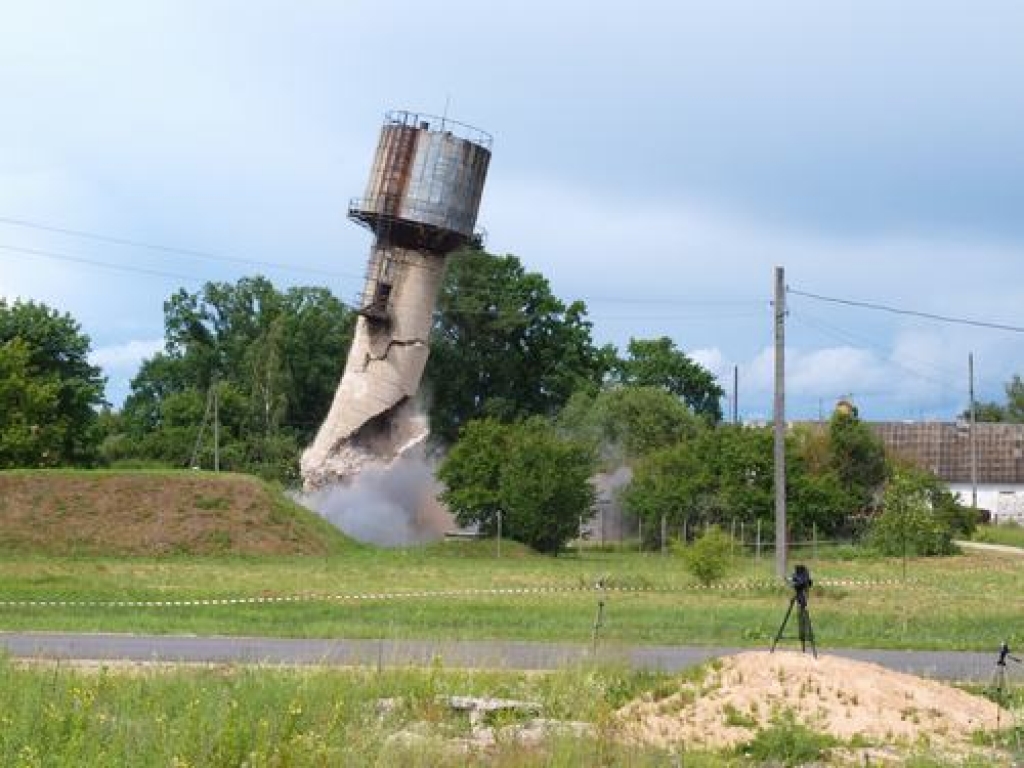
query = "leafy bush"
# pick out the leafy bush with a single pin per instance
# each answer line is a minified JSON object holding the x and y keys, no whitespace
{"x":710,"y":556}
{"x":908,"y":523}
{"x":526,"y":472}
{"x":788,"y":742}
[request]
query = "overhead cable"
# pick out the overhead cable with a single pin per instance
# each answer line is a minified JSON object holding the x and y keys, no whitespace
{"x":913,"y":313}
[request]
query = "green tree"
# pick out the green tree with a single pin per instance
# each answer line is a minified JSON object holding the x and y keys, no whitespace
{"x":627,"y":422}
{"x":504,"y":346}
{"x":30,"y":435}
{"x":858,"y":456}
{"x":908,"y":524}
{"x":51,"y":391}
{"x":1011,"y":411}
{"x":727,"y":474}
{"x":658,"y":363}
{"x":274,"y":357}
{"x":538,"y":480}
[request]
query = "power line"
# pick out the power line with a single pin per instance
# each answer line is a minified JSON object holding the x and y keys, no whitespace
{"x":481,"y":292}
{"x":164,"y":248}
{"x":467,"y":295}
{"x":913,"y":313}
{"x":97,"y":263}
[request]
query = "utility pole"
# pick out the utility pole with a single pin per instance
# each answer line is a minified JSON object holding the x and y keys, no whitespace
{"x":735,"y":394}
{"x":780,"y":422}
{"x":974,"y":443}
{"x":216,"y":431}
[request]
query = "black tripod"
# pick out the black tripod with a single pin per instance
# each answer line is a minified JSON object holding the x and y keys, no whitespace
{"x":999,"y":686}
{"x":801,"y":581}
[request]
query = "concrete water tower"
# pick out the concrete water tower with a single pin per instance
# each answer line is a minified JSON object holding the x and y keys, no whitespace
{"x":420,"y":203}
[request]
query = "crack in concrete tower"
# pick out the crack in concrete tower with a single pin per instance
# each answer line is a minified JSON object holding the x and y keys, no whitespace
{"x":421,"y":203}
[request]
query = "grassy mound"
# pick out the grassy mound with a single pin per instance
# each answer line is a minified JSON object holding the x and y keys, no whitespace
{"x":59,"y":512}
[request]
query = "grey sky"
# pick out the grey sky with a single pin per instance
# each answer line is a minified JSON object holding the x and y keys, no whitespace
{"x":656,"y":159}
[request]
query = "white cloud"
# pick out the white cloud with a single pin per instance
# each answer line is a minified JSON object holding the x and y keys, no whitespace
{"x":127,"y":355}
{"x":120,"y":363}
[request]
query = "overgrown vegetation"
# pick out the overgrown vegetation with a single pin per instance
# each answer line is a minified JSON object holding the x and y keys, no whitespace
{"x":523,"y":477}
{"x":710,"y":556}
{"x":909,"y":523}
{"x":265,"y":717}
{"x":787,"y":742}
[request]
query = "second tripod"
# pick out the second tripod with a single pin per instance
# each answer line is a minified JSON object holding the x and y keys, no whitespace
{"x":801,"y":582}
{"x":999,"y":686}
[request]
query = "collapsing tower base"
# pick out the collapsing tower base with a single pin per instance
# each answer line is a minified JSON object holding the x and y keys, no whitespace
{"x":421,"y":204}
{"x":374,"y":416}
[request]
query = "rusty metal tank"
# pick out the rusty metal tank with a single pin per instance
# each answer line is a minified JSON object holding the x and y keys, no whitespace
{"x":425,"y":183}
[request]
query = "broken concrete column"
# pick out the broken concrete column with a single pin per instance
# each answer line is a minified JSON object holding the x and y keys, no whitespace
{"x":373,"y":416}
{"x":421,"y":203}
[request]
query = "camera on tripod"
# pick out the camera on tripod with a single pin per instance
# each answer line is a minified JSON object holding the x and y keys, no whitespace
{"x":801,"y":581}
{"x":801,"y":578}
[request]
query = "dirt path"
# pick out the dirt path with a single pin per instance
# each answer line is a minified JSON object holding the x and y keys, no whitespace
{"x":1004,"y":549}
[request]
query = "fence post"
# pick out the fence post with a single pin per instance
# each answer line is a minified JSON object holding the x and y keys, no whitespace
{"x":814,"y":539}
{"x":664,"y":534}
{"x":759,"y":538}
{"x":732,"y":539}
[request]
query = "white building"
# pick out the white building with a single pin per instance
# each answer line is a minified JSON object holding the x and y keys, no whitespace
{"x":990,"y":467}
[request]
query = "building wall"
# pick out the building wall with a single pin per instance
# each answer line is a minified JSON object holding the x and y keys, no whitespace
{"x":1003,"y":501}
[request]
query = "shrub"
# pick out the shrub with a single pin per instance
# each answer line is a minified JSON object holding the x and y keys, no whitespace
{"x":710,"y":556}
{"x":908,"y":524}
{"x":788,"y":742}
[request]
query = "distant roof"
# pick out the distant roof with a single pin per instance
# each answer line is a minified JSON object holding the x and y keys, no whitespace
{"x":944,"y":448}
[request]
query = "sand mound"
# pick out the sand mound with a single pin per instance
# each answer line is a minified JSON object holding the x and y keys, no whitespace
{"x":844,"y":698}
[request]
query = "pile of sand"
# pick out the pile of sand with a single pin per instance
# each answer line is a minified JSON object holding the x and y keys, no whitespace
{"x":745,"y":693}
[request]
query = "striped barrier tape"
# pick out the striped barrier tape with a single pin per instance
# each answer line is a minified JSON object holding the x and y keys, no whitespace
{"x":743,"y":586}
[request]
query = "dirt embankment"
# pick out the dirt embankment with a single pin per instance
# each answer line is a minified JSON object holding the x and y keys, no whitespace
{"x":148,"y":513}
{"x":848,"y":700}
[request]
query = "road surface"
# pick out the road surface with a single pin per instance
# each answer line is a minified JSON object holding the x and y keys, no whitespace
{"x":495,"y":654}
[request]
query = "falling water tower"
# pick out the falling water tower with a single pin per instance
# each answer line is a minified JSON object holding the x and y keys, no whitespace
{"x":421,"y":203}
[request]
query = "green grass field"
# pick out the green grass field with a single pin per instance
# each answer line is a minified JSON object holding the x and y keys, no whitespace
{"x":1009,"y":534}
{"x":90,"y":540}
{"x":969,"y":601}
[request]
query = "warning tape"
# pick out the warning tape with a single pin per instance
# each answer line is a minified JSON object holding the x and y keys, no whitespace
{"x":739,"y":586}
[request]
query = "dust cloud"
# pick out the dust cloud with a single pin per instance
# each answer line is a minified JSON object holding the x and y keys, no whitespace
{"x":391,"y":505}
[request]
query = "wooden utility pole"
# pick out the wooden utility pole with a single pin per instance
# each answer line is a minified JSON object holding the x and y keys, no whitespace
{"x":780,"y":422}
{"x":735,"y":394}
{"x":216,"y":431}
{"x":974,"y":443}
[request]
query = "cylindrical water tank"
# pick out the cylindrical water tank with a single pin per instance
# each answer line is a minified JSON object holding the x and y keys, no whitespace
{"x":425,"y":185}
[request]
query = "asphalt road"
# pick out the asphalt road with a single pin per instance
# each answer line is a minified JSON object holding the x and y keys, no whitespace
{"x":942,"y":665}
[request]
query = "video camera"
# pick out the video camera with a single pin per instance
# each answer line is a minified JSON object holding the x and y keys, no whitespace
{"x":801,"y":581}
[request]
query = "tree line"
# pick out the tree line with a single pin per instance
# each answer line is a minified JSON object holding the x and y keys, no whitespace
{"x":523,"y":403}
